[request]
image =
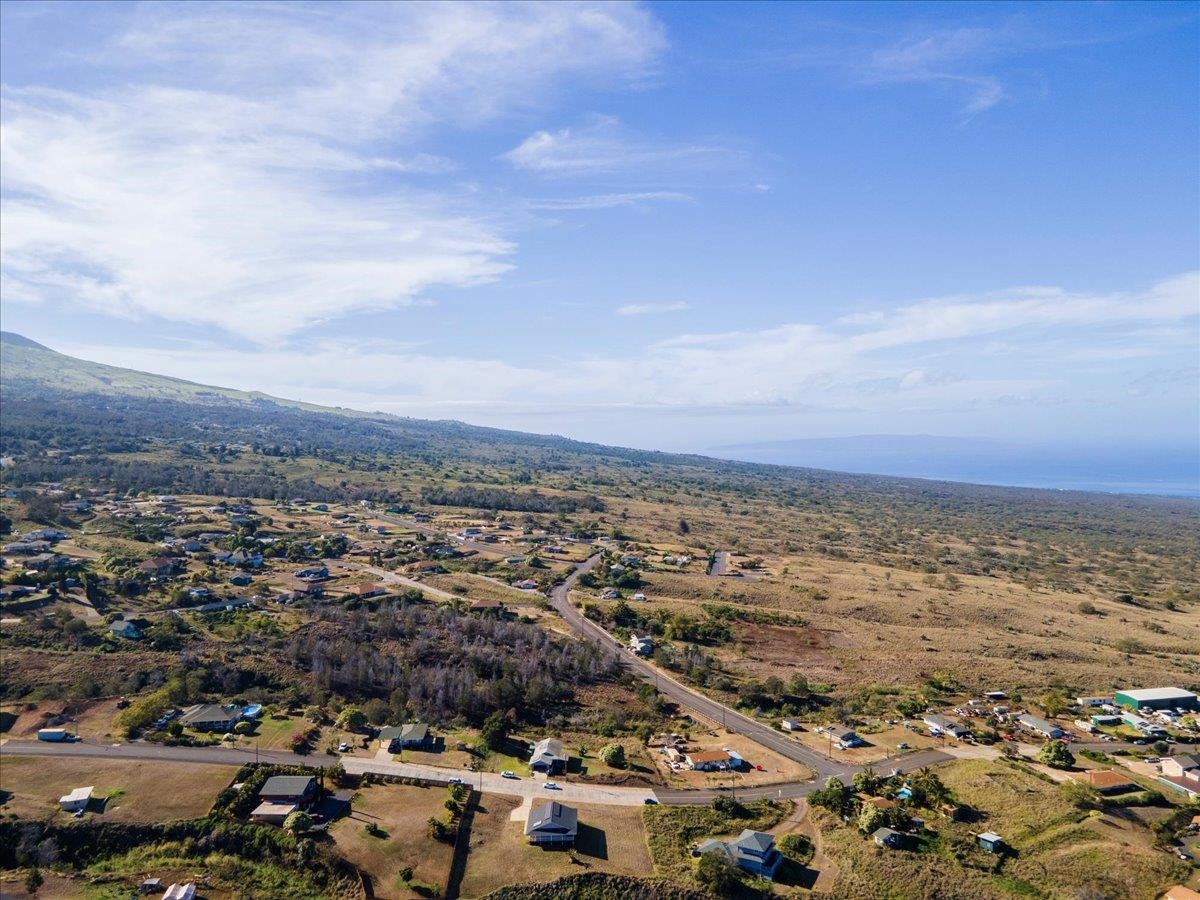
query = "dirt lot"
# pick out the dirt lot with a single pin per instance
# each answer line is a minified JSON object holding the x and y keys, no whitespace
{"x":91,"y":718}
{"x":134,"y":787}
{"x":878,"y":746}
{"x":775,"y":767}
{"x":611,"y":839}
{"x":402,"y":813}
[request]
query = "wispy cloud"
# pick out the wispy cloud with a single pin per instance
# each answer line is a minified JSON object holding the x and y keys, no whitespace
{"x":603,"y":144}
{"x":951,"y":56}
{"x":649,"y":309}
{"x":257,"y":167}
{"x":933,"y":354}
{"x":608,"y":201}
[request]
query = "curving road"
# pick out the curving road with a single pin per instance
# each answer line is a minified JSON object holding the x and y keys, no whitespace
{"x":699,"y":704}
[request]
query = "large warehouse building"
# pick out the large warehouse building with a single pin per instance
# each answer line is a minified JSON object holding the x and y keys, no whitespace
{"x":1157,"y":698}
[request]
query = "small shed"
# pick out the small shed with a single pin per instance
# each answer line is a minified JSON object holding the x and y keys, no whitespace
{"x":991,"y":842}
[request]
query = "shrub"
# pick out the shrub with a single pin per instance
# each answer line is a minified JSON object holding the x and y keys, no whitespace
{"x":614,"y":755}
{"x":1056,"y":754}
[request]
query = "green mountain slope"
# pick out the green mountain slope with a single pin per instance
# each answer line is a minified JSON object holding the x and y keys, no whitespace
{"x":27,"y":367}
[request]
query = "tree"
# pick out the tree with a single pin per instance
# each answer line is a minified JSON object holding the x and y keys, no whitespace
{"x":1056,"y":754}
{"x":866,"y":780}
{"x":798,"y":685}
{"x":243,"y":727}
{"x":33,"y":881}
{"x":352,"y":719}
{"x":717,"y":874}
{"x":614,"y":755}
{"x":298,"y":822}
{"x":684,"y":527}
{"x":495,"y":730}
{"x":796,"y":847}
{"x":1054,"y":701}
{"x":870,"y":818}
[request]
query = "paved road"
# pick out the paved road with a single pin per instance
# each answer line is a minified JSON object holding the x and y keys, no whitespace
{"x":720,"y":563}
{"x":696,"y":702}
{"x":392,"y":578}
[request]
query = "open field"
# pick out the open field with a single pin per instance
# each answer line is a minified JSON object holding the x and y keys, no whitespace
{"x":611,"y":839}
{"x":1058,"y":848}
{"x":138,"y":791}
{"x":401,"y":812}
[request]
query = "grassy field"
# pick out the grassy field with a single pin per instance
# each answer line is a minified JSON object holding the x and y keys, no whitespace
{"x":673,"y":830}
{"x":1058,"y":849}
{"x":611,"y":839}
{"x":401,"y":812}
{"x":135,"y":788}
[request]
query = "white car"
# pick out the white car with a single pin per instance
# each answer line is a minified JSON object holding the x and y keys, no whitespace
{"x":454,"y":780}
{"x":508,"y":774}
{"x":343,"y":747}
{"x":550,"y":786}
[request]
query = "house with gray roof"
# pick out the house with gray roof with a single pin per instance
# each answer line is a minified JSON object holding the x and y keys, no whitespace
{"x":752,"y":851}
{"x":548,"y":756}
{"x":211,"y":717}
{"x":410,"y":736}
{"x":552,"y":823}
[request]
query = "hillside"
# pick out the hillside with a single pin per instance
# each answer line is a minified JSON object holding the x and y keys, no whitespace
{"x":861,"y":577}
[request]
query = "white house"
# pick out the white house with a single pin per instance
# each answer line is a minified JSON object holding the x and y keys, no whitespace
{"x":642,"y":646}
{"x":77,"y":800}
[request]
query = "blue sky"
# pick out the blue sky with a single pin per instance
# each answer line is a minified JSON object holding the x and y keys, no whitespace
{"x":674,"y":226}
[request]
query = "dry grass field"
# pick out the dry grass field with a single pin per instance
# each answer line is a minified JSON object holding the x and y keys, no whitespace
{"x":134,"y":788}
{"x":402,"y":813}
{"x":1059,"y":850}
{"x":611,"y":839}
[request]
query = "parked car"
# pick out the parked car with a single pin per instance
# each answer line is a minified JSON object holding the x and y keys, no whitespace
{"x":343,"y":747}
{"x":507,"y":774}
{"x":454,"y":780}
{"x":551,"y":786}
{"x":903,"y":745}
{"x":650,"y":801}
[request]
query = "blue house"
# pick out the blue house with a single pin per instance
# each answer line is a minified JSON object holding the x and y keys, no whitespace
{"x":752,"y":851}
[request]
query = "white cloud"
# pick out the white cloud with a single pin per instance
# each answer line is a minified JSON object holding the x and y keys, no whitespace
{"x":933,"y":355}
{"x":608,"y":201}
{"x":245,"y":165}
{"x":603,"y":144}
{"x":647,"y":309}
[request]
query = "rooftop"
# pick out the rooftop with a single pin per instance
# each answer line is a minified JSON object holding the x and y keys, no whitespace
{"x":1161,"y":693}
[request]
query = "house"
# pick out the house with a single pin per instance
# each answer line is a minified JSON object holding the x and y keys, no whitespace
{"x":939,"y":724}
{"x":1037,"y":724}
{"x":527,"y":585}
{"x":791,"y":725}
{"x":886,"y":837}
{"x":707,"y":760}
{"x":1185,"y":765}
{"x":77,"y":800}
{"x":752,"y":851}
{"x":198,"y":593}
{"x":180,"y":892}
{"x":298,"y":789}
{"x":1105,"y":781}
{"x":552,"y":823}
{"x":1089,"y":702}
{"x":313,"y":573}
{"x":126,"y":629}
{"x":365,"y":590}
{"x":273,"y":812}
{"x":842,"y":736}
{"x":44,"y":561}
{"x":1157,"y":698}
{"x":240,"y":580}
{"x":642,"y":646}
{"x":159,"y":567}
{"x":150,"y":886}
{"x":611,"y":594}
{"x":211,"y":717}
{"x":991,"y":842}
{"x":50,"y":535}
{"x":26,"y":548}
{"x":410,"y":736}
{"x":487,"y":605}
{"x":548,"y":756}
{"x":1189,"y":786}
